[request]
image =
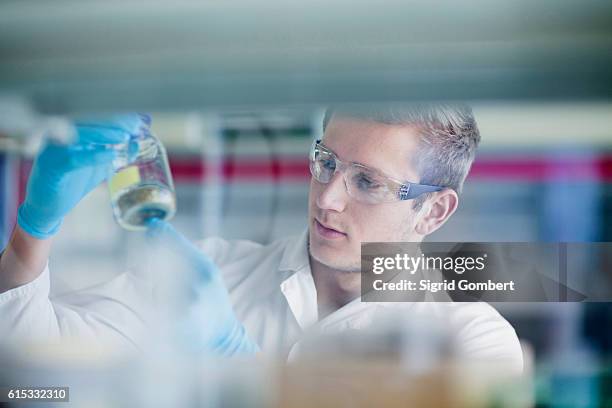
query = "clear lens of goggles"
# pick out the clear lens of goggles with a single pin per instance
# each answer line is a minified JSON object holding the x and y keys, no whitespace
{"x":362,"y":183}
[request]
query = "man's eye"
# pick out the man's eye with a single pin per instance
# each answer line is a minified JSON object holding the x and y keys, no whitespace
{"x":328,"y":164}
{"x":364,"y":182}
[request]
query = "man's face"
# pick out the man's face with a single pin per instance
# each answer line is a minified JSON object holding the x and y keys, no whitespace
{"x":338,"y":224}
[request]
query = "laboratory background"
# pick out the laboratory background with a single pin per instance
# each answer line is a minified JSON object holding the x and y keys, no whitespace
{"x":237,"y":93}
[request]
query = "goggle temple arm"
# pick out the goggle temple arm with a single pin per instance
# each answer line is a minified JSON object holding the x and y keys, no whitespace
{"x":410,"y":191}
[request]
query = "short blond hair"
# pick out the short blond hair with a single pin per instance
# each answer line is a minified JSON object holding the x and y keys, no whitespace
{"x":449,"y":138}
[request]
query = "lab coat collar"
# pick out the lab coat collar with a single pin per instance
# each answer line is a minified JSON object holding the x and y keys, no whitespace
{"x":301,"y":294}
{"x":295,"y":255}
{"x":298,"y":287}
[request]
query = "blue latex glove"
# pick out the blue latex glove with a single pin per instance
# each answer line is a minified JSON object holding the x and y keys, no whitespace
{"x":207,"y":322}
{"x":63,"y":174}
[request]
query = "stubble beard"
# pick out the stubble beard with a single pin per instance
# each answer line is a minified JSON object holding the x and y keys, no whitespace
{"x":355,"y":268}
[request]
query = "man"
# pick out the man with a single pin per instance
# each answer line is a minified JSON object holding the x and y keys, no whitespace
{"x":388,"y":174}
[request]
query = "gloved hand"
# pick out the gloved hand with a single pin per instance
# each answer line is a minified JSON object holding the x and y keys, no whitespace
{"x":63,"y":174}
{"x":207,"y":321}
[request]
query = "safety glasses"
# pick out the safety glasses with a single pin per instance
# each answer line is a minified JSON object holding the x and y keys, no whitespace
{"x":362,"y":183}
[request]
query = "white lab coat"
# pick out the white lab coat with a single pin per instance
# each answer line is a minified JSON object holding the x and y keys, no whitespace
{"x":273,"y":293}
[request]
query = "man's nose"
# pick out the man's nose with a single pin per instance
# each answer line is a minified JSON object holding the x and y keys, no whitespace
{"x":333,"y":195}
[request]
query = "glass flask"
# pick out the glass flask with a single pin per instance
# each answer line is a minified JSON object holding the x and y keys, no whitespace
{"x":141,"y":188}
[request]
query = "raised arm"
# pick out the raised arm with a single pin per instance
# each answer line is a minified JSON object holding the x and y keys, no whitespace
{"x":61,"y":176}
{"x":23,"y":260}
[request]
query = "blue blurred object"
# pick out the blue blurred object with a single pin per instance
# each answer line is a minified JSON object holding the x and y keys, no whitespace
{"x":208,"y":323}
{"x":63,"y":174}
{"x":6,"y":200}
{"x":571,"y":207}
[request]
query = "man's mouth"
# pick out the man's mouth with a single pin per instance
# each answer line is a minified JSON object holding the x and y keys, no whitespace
{"x":328,"y":232}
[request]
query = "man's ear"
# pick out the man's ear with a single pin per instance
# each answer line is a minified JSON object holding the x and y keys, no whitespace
{"x":438,"y":208}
